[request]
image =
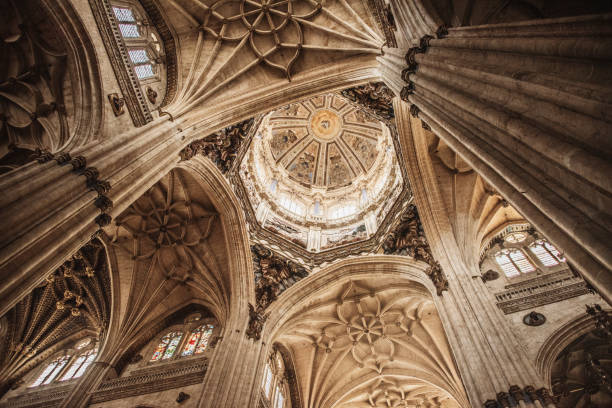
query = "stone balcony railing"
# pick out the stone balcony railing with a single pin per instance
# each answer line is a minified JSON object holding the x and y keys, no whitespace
{"x":143,"y":381}
{"x":541,"y":290}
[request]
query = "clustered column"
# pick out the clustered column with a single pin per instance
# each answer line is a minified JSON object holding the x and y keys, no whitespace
{"x":60,"y":200}
{"x":526,"y":105}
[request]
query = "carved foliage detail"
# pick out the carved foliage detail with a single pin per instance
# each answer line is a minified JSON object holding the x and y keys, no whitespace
{"x":376,"y":98}
{"x":220,"y":147}
{"x":409,"y":239}
{"x":273,"y":275}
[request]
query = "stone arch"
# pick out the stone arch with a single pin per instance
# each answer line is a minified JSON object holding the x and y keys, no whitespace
{"x":236,"y":237}
{"x":559,"y":340}
{"x":56,"y":106}
{"x":392,"y":281}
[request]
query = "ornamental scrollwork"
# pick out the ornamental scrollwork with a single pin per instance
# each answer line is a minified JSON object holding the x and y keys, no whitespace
{"x":376,"y":98}
{"x":409,"y":239}
{"x":273,"y":275}
{"x":220,"y":147}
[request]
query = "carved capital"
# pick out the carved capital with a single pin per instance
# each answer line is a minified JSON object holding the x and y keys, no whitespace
{"x":103,"y":220}
{"x":103,"y":203}
{"x":257,"y":319}
{"x":62,"y":157}
{"x":78,"y":163}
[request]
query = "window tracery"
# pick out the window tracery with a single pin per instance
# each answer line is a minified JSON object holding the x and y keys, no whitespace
{"x":141,"y":51}
{"x":274,"y":384}
{"x":518,"y":250}
{"x":70,"y":364}
{"x":192,"y":338}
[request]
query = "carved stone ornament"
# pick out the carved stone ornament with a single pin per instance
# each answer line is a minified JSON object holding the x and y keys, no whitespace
{"x":490,"y":275}
{"x":220,"y":147}
{"x":413,"y":65}
{"x":182,"y":397}
{"x":257,"y":319}
{"x":534,"y":319}
{"x":75,"y":297}
{"x":409,"y":239}
{"x":151,"y":95}
{"x":376,"y":98}
{"x":117,"y":104}
{"x":273,"y":275}
{"x":384,"y":19}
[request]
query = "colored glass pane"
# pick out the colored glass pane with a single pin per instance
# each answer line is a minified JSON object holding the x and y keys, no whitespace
{"x":60,"y":365}
{"x":172,"y":346}
{"x":191,"y":343}
{"x":206,"y":333}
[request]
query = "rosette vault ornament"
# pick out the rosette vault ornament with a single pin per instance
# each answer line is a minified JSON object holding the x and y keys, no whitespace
{"x":272,"y":29}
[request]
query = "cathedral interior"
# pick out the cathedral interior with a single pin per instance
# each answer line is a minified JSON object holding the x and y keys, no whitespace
{"x":306,"y":203}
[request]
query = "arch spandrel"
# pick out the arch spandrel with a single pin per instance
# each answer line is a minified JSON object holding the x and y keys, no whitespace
{"x":393,"y":347}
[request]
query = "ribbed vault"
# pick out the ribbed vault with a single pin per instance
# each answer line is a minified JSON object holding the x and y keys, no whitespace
{"x":371,"y":343}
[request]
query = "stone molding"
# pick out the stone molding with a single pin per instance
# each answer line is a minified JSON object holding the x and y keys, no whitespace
{"x":541,"y":290}
{"x":516,"y":396}
{"x":92,"y":180}
{"x":384,"y":20}
{"x":150,"y":380}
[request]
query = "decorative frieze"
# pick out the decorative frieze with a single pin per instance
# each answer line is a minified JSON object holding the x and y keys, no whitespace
{"x":541,"y":290}
{"x":152,"y":380}
{"x":520,"y":397}
{"x":385,"y":21}
{"x":220,"y":147}
{"x":409,"y":239}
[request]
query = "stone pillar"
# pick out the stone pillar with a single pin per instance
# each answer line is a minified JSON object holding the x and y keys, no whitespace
{"x":528,"y":106}
{"x":488,"y":355}
{"x":80,"y":394}
{"x":234,"y":371}
{"x":57,"y":202}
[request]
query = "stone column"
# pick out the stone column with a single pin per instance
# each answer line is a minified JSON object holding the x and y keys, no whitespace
{"x":489,"y":357}
{"x":80,"y":394}
{"x":58,"y":201}
{"x":234,"y":371}
{"x":528,"y":106}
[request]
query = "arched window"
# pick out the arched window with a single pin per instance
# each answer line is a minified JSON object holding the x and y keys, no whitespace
{"x":80,"y":364}
{"x":142,"y":44}
{"x":198,"y":340}
{"x":267,"y":384}
{"x":546,"y":253}
{"x":342,"y":211}
{"x":513,"y":262}
{"x":51,"y":371}
{"x":291,"y":205}
{"x":168,"y":345}
{"x":274,"y":385}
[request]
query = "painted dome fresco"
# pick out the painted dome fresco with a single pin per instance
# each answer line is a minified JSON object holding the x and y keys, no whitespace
{"x":322,"y":173}
{"x":324,"y":141}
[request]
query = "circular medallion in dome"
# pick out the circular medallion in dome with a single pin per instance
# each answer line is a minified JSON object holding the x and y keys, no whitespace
{"x":325,"y":125}
{"x":323,"y":142}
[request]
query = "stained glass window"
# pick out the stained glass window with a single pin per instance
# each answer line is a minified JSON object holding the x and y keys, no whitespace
{"x":52,"y":370}
{"x":165,"y":349}
{"x":198,"y":341}
{"x":546,"y":253}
